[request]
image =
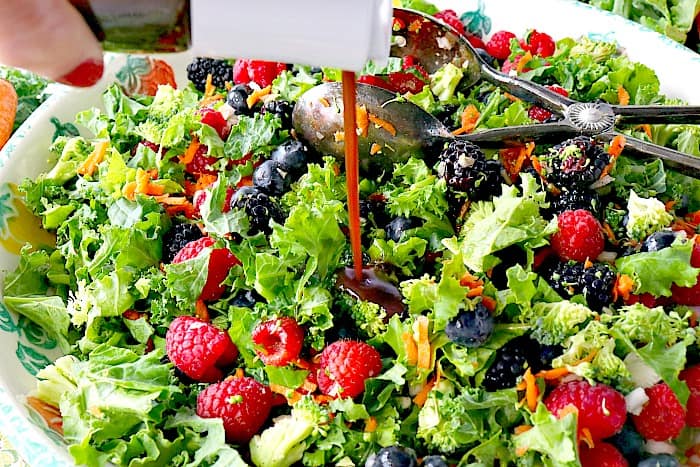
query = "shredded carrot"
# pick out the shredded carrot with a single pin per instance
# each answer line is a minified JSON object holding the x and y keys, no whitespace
{"x":536,"y":164}
{"x":209,"y":88}
{"x":411,"y":348}
{"x":415,"y":25}
{"x":470,"y":280}
{"x":51,"y":414}
{"x":524,"y":60}
{"x":470,"y":116}
{"x":132,"y":315}
{"x":587,"y":438}
{"x":205,"y":181}
{"x":339,"y":136}
{"x":371,"y":425}
{"x":324,"y":102}
{"x":520,"y":429}
{"x":670,"y":204}
{"x":475,"y":291}
{"x":531,"y":390}
{"x":607,"y":230}
{"x":514,"y":158}
{"x":646,"y":128}
{"x":511,"y":97}
{"x":323,"y":399}
{"x":303,"y":364}
{"x":587,"y":264}
{"x":362,"y":119}
{"x":201,"y":311}
{"x":489,"y":302}
{"x":521,"y":451}
{"x":553,"y":374}
{"x":379,"y":123}
{"x":191,"y":150}
{"x":239,"y":373}
{"x":616,"y":145}
{"x":423,"y":343}
{"x":375,"y":148}
{"x":623,"y":97}
{"x":422,"y":396}
{"x":129,"y":190}
{"x":256,"y":95}
{"x":624,"y":286}
{"x":278,"y":388}
{"x":90,"y":164}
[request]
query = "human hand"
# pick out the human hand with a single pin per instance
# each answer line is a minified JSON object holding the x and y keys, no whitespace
{"x":50,"y":38}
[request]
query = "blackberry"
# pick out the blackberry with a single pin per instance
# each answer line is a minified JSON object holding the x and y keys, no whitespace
{"x":259,"y":208}
{"x":576,"y":198}
{"x":393,"y":456}
{"x":179,"y":235}
{"x":471,"y":328}
{"x":467,"y":171}
{"x":282,"y":109}
{"x":221,"y":71}
{"x":508,"y":365}
{"x":594,"y":282}
{"x":237,"y":98}
{"x":576,"y":162}
{"x":659,"y":240}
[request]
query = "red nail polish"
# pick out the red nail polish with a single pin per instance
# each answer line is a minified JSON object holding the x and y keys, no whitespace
{"x":86,"y":74}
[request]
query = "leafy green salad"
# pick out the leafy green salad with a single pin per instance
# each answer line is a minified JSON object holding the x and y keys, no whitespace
{"x":526,"y":281}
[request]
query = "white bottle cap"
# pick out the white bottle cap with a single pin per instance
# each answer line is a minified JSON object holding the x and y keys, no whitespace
{"x":331,"y":33}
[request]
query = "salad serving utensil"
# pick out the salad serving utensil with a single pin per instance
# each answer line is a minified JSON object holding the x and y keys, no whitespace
{"x":318,"y":118}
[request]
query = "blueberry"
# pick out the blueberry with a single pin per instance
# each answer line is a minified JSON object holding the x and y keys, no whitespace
{"x":658,"y":240}
{"x":471,"y":328}
{"x":628,"y":442}
{"x":291,"y":157}
{"x":246,"y":299}
{"x":282,"y":109}
{"x":373,"y":210}
{"x":396,"y":229}
{"x":660,"y":460}
{"x":237,"y":99}
{"x":393,"y":456}
{"x":268,"y":177}
{"x":434,"y":461}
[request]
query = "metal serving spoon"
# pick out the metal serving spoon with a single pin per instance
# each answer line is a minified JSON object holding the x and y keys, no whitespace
{"x":318,"y":118}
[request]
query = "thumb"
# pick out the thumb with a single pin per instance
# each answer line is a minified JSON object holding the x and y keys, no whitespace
{"x":50,"y":38}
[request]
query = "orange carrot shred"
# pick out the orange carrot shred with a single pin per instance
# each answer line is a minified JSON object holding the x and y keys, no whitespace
{"x":647,"y":129}
{"x":531,"y":390}
{"x":201,"y":311}
{"x":470,"y":117}
{"x":489,"y":302}
{"x":411,"y":348}
{"x":521,"y":451}
{"x":616,"y":145}
{"x":371,"y":425}
{"x":587,"y":264}
{"x":422,"y":396}
{"x":8,"y":110}
{"x":90,"y":164}
{"x":375,"y":148}
{"x":239,"y":373}
{"x":383,"y":124}
{"x":189,"y":152}
{"x":209,"y":88}
{"x":607,"y":230}
{"x":256,"y":95}
{"x":624,"y":286}
{"x":511,"y":97}
{"x":324,"y":102}
{"x":129,"y":190}
{"x":623,"y":96}
{"x":204,"y":181}
{"x":520,"y":429}
{"x":362,"y":119}
{"x":524,"y":60}
{"x":423,"y":343}
{"x":553,"y":374}
{"x":51,"y":414}
{"x":587,"y":438}
{"x":475,"y":291}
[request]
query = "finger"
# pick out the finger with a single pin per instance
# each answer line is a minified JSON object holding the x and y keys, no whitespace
{"x":49,"y":37}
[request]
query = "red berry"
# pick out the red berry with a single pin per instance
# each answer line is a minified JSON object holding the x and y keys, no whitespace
{"x":278,"y":341}
{"x":199,"y":349}
{"x":691,"y":376}
{"x":601,"y":409}
{"x":538,"y":113}
{"x":541,"y":44}
{"x":689,"y":295}
{"x":450,"y":17}
{"x":476,"y":41}
{"x":242,"y":403}
{"x":221,"y":260}
{"x":152,"y":146}
{"x":405,"y":81}
{"x":214,"y":119}
{"x":201,"y":163}
{"x":580,"y":236}
{"x":601,"y":455}
{"x":410,"y":63}
{"x":558,"y":89}
{"x":258,"y":71}
{"x":375,"y":81}
{"x":663,"y":416}
{"x":499,"y":44}
{"x":345,"y":365}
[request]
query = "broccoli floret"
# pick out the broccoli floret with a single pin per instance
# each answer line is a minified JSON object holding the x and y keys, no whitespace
{"x":552,"y":322}
{"x":599,"y":51}
{"x":285,"y":442}
{"x":644,"y":325}
{"x":645,"y":216}
{"x":369,"y":317}
{"x":444,"y":82}
{"x":615,"y":218}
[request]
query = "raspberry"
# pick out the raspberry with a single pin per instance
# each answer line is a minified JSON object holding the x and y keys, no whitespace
{"x":689,"y":295}
{"x":258,"y":71}
{"x":201,"y":163}
{"x":405,"y":81}
{"x":580,"y":236}
{"x":691,"y":376}
{"x":601,"y":409}
{"x":242,"y":403}
{"x":663,"y":416}
{"x":345,"y":365}
{"x":221,"y":260}
{"x":214,"y":119}
{"x":476,"y":41}
{"x":601,"y":455}
{"x":199,"y":349}
{"x":278,"y":341}
{"x":539,"y":43}
{"x":542,"y":115}
{"x":499,"y":44}
{"x":450,"y":17}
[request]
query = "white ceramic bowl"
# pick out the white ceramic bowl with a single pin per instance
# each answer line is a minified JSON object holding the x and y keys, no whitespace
{"x":25,"y":346}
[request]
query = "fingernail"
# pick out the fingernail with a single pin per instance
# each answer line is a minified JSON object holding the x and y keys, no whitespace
{"x":86,"y":74}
